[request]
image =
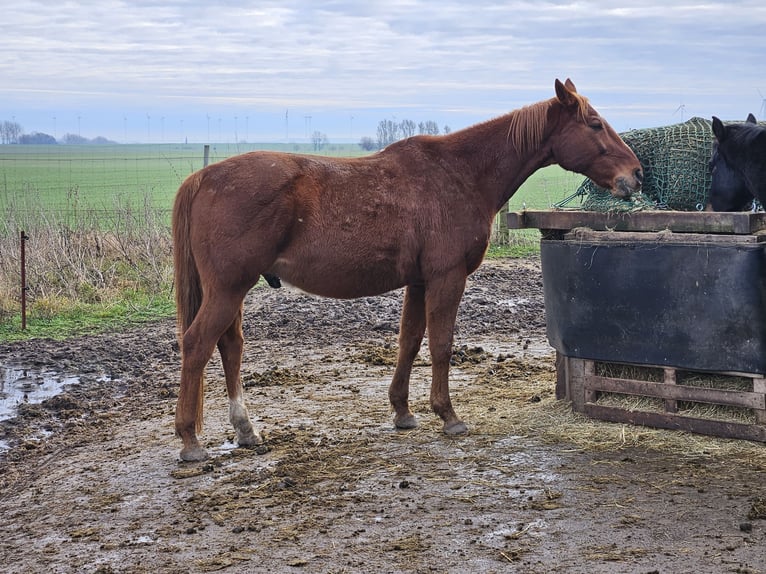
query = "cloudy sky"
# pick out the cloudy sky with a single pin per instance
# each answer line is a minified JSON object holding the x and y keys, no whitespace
{"x":168,"y":70}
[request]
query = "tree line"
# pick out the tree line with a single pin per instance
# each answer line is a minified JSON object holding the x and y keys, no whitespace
{"x":390,"y":131}
{"x":13,"y":133}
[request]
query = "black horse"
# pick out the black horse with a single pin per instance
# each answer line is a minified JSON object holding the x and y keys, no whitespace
{"x":738,"y":165}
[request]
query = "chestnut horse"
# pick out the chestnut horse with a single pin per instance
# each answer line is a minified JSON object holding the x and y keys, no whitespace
{"x":418,"y":215}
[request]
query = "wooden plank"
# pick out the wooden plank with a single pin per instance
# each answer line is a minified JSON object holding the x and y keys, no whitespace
{"x":562,"y":377}
{"x":671,"y":421}
{"x":742,"y":399}
{"x":584,"y":234}
{"x":759,"y":386}
{"x":576,"y":373}
{"x":589,"y":373}
{"x":677,"y":221}
{"x":669,"y":378}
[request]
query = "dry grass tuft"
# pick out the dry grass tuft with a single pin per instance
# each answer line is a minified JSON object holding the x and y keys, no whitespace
{"x":82,"y":256}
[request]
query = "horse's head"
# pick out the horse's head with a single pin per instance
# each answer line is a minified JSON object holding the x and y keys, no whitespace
{"x":736,"y":149}
{"x":728,"y":191}
{"x":729,"y":137}
{"x":584,"y":142}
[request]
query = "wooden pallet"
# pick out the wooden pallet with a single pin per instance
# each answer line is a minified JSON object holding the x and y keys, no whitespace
{"x":578,"y":381}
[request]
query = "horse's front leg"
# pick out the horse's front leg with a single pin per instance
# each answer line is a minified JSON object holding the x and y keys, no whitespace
{"x":411,"y":331}
{"x":231,"y":345}
{"x":442,"y":300}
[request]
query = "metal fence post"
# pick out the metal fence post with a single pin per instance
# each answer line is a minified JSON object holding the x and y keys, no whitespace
{"x":24,"y":238}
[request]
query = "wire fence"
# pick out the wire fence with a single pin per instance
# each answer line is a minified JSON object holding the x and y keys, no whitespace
{"x":68,"y":179}
{"x":97,"y":187}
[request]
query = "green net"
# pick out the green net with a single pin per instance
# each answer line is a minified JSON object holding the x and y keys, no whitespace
{"x":675,"y":163}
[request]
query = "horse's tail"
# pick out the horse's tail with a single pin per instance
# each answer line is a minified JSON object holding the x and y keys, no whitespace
{"x":188,"y":287}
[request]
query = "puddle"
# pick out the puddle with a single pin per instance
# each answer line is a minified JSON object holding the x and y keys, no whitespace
{"x":18,"y":386}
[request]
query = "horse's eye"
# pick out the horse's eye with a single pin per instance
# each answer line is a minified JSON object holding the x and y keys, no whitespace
{"x":596,"y":125}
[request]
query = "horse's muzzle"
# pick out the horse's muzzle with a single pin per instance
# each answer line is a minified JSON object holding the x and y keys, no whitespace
{"x":624,"y":187}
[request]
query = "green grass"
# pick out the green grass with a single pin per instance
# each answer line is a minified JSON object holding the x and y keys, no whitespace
{"x":129,"y":309}
{"x":543,"y":190}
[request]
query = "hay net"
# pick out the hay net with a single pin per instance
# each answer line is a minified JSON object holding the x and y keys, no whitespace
{"x":676,"y":173}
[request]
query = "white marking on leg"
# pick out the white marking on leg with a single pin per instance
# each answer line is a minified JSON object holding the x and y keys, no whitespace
{"x":240,"y":419}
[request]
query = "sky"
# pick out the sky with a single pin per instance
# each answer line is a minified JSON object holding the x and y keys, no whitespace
{"x":164,"y":71}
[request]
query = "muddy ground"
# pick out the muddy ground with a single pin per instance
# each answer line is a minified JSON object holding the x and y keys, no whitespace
{"x":92,"y":481}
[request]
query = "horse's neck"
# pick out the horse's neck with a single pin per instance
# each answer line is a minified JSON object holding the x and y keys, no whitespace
{"x":754,"y":168}
{"x":500,"y":162}
{"x":756,"y":183}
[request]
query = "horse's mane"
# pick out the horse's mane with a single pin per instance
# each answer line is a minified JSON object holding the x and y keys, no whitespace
{"x":747,"y":134}
{"x":527,"y":124}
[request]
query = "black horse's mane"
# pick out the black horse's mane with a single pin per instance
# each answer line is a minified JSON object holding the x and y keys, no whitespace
{"x":748,"y":134}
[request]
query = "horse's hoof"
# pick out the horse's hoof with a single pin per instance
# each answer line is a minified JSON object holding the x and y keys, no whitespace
{"x":249,"y":439}
{"x":406,"y":422}
{"x":193,"y":454}
{"x":455,"y":428}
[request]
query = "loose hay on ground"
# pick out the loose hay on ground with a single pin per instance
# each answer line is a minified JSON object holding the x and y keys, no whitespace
{"x":522,"y":397}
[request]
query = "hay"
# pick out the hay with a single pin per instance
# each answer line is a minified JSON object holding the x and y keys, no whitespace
{"x":523,"y":403}
{"x":676,"y":173}
{"x":631,"y":402}
{"x":694,"y":409}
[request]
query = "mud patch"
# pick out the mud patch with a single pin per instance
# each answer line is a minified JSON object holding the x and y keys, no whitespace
{"x":276,"y":376}
{"x":91,"y":480}
{"x":377,"y":355}
{"x":20,"y":386}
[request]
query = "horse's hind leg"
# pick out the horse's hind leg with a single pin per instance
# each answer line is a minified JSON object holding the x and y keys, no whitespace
{"x":215,"y":316}
{"x":411,"y":331}
{"x":231,"y":345}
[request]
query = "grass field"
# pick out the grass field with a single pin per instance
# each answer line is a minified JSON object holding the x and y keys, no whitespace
{"x":102,"y":177}
{"x":65,"y":178}
{"x":98,"y":221}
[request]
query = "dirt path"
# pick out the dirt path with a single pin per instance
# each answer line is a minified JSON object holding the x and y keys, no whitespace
{"x":92,"y":482}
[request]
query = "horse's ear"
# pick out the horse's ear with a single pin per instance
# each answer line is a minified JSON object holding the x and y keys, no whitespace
{"x":719,"y":130}
{"x":565,"y":93}
{"x":751,"y":119}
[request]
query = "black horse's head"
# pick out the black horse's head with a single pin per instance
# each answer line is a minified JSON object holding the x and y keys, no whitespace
{"x":730,"y":165}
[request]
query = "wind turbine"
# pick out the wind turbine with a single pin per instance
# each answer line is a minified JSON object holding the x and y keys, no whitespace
{"x":762,"y":111}
{"x":680,"y":109}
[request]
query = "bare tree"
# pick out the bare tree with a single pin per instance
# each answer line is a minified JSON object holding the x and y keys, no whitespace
{"x":10,"y":132}
{"x":407,"y":128}
{"x":367,"y":143}
{"x":318,"y":139}
{"x":390,"y":131}
{"x":429,"y":128}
